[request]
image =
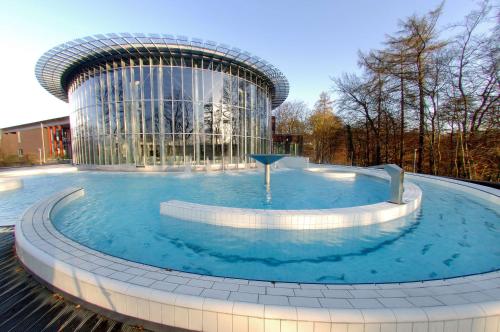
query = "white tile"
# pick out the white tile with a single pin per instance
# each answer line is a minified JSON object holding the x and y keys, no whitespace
{"x":252,"y":289}
{"x":225,"y":286}
{"x":364,"y":293}
{"x":476,"y":297}
{"x":195,"y":319}
{"x":322,"y":327}
{"x":273,"y":299}
{"x":310,"y":302}
{"x":155,"y":314}
{"x":337,"y":293}
{"x":288,"y":326}
{"x":391,"y":293}
{"x":424,"y":301}
{"x":420,"y":327}
{"x":404,"y":327}
{"x":244,"y":297}
{"x":215,"y":294}
{"x":313,"y":314}
{"x":209,"y":321}
{"x":436,"y":326}
{"x":165,"y":286}
{"x":181,"y":317}
{"x":200,"y":283}
{"x":177,"y":280}
{"x":388,"y":327}
{"x":279,"y":291}
{"x":224,"y":322}
{"x":188,"y":290}
{"x":155,"y":275}
{"x":465,"y":325}
{"x":451,"y":326}
{"x":406,"y":315}
{"x":372,"y":327}
{"x":365,"y":303}
{"x":334,"y":303}
{"x":450,"y":299}
{"x":309,"y":327}
{"x":240,"y":323}
{"x":249,"y":309}
{"x":142,"y":281}
{"x":395,"y":302}
{"x":308,"y":292}
{"x":272,"y":325}
{"x":122,"y":276}
{"x":255,"y":324}
{"x":134,"y":271}
{"x":492,"y":324}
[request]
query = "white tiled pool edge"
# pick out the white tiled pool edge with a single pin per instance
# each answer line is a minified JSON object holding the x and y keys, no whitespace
{"x":297,"y":219}
{"x":206,"y":303}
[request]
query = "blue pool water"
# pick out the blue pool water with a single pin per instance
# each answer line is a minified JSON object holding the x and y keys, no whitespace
{"x":452,"y":234}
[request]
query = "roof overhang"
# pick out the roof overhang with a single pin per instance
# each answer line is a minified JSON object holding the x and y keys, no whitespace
{"x":57,"y":67}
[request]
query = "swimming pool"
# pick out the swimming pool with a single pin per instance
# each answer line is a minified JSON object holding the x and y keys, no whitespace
{"x":452,"y":234}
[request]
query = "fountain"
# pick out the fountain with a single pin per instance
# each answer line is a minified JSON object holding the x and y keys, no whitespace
{"x":267,"y":160}
{"x":396,"y":174}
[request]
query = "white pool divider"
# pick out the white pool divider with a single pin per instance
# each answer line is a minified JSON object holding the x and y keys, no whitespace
{"x":298,"y":219}
{"x":7,"y":184}
{"x":38,"y":170}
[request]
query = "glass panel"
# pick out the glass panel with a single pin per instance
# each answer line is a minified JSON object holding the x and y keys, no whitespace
{"x":207,"y":86}
{"x":154,"y":82}
{"x":167,"y":83}
{"x":234,"y":90}
{"x":217,"y":87}
{"x":178,"y":121}
{"x":241,"y":93}
{"x":146,"y":82}
{"x":167,"y":116}
{"x":148,"y":117}
{"x":177,"y":83}
{"x":226,"y":93}
{"x":197,"y":85}
{"x":188,"y":118}
{"x":187,"y":83}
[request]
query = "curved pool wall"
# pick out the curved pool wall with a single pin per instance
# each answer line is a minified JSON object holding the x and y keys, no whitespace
{"x":302,"y":219}
{"x":196,"y":302}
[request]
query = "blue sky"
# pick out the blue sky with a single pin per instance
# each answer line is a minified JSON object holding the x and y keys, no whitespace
{"x":309,"y":41}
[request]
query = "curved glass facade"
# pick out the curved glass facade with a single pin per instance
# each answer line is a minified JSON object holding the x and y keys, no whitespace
{"x":167,"y":111}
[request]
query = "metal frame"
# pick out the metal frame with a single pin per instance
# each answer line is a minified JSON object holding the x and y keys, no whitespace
{"x":56,"y":68}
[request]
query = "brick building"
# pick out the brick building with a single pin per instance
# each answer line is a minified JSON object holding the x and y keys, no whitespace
{"x":37,"y":142}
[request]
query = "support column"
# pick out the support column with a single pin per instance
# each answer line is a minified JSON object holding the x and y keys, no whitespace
{"x":268,"y":174}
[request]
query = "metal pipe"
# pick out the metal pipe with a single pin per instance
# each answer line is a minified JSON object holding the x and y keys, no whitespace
{"x":397,"y":177}
{"x":43,"y":141}
{"x":268,"y":174}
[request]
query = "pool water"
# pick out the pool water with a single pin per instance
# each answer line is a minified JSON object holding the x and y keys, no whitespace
{"x":452,"y":234}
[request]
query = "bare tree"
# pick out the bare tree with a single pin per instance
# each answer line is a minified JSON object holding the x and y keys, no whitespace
{"x":418,"y":40}
{"x":290,"y":117}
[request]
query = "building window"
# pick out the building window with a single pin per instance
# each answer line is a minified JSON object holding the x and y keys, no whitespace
{"x":20,"y":153}
{"x":18,"y":137}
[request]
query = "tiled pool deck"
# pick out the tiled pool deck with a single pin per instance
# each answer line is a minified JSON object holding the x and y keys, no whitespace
{"x":206,"y":303}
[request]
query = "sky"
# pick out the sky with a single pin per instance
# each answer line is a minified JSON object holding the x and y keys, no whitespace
{"x":309,"y":41}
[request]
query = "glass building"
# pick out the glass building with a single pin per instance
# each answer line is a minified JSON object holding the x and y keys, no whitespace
{"x":159,"y":101}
